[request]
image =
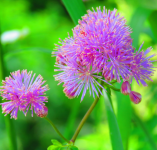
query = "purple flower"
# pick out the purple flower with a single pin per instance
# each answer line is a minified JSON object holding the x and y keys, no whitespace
{"x":105,"y":40}
{"x":142,"y":67}
{"x":22,"y":91}
{"x":100,"y":50}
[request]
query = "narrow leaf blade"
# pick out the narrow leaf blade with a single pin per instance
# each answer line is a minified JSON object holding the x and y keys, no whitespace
{"x":124,"y":112}
{"x":75,"y":8}
{"x":115,"y":136}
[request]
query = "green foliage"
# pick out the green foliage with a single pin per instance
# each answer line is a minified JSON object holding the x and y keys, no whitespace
{"x":53,"y":147}
{"x":55,"y":142}
{"x":58,"y":146}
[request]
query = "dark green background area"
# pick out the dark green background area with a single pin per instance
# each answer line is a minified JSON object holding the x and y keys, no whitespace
{"x":47,"y":21}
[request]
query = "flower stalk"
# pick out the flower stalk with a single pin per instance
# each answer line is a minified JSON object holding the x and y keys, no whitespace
{"x":84,"y":119}
{"x":55,"y":128}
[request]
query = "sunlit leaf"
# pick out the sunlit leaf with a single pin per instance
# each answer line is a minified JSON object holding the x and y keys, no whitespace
{"x":73,"y":148}
{"x":55,"y":142}
{"x":53,"y":147}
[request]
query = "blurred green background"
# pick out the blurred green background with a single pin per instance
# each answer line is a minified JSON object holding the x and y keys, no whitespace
{"x":36,"y":25}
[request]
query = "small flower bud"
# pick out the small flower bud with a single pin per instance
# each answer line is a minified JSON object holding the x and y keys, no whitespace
{"x":135,"y":97}
{"x":42,"y":112}
{"x":125,"y":88}
{"x":69,"y":93}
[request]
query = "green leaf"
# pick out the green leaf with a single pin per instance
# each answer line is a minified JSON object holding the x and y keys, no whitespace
{"x":137,"y":21}
{"x":153,"y":20}
{"x":73,"y":148}
{"x":75,"y":8}
{"x":65,"y":148}
{"x":53,"y":147}
{"x":115,"y":136}
{"x":124,"y":112}
{"x":55,"y":142}
{"x":69,"y":147}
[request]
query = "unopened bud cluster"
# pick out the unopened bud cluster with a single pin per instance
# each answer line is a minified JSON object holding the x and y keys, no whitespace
{"x":126,"y":90}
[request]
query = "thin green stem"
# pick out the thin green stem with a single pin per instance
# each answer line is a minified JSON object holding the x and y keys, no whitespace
{"x":8,"y":122}
{"x":86,"y":116}
{"x":84,"y":119}
{"x":55,"y":128}
{"x":113,"y":88}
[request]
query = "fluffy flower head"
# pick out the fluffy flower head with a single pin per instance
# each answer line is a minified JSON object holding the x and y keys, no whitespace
{"x":100,"y":50}
{"x":21,"y":91}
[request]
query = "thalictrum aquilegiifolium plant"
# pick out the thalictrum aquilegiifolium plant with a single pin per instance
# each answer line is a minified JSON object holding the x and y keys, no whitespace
{"x":98,"y":54}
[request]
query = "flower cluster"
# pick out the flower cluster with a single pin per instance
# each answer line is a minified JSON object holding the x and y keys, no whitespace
{"x":100,"y":50}
{"x":22,"y":91}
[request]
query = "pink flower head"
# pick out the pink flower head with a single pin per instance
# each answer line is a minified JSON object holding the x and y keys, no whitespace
{"x":105,"y":40}
{"x":142,"y":67}
{"x":100,"y":50}
{"x":22,"y":91}
{"x":125,"y":88}
{"x":135,"y":97}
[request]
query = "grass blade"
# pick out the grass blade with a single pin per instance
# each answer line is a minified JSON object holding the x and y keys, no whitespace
{"x":75,"y":8}
{"x":124,"y":112}
{"x":115,"y":136}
